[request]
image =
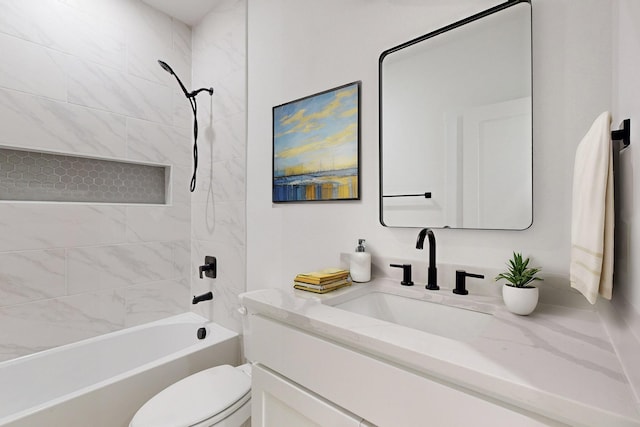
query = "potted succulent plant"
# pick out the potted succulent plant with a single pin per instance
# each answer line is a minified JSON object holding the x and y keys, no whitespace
{"x":519,"y":295}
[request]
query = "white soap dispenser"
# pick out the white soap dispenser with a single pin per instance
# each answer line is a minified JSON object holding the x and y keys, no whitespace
{"x":360,"y":267}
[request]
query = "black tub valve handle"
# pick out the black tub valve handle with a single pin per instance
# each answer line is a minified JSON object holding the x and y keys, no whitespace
{"x":210,"y":267}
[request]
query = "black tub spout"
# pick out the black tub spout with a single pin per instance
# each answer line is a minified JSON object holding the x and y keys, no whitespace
{"x":204,"y":297}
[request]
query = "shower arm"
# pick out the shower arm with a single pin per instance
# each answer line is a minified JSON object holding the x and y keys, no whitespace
{"x":195,"y":92}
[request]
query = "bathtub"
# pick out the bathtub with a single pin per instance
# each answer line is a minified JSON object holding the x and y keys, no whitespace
{"x":102,"y":381}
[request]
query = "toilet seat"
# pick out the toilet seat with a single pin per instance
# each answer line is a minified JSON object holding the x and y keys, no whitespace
{"x":203,"y":398}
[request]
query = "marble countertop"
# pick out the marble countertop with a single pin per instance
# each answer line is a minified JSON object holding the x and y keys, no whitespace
{"x":558,"y":362}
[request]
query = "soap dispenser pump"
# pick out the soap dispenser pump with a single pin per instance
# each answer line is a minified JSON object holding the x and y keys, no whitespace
{"x":360,"y":267}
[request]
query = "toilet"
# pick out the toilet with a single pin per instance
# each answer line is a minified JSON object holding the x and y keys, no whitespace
{"x":218,"y":396}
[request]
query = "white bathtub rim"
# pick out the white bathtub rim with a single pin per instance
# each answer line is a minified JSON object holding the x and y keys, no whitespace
{"x":187,"y":317}
{"x":214,"y":329}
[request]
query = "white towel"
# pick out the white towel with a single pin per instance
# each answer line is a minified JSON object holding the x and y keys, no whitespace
{"x":592,"y":218}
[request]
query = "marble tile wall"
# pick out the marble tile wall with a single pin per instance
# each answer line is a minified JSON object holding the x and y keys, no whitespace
{"x":80,"y":77}
{"x":218,"y":204}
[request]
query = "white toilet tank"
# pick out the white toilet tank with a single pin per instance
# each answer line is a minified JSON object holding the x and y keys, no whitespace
{"x":219,"y":396}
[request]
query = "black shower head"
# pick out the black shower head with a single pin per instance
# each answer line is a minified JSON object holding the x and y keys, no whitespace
{"x":169,"y":70}
{"x":188,"y":94}
{"x":166,"y":67}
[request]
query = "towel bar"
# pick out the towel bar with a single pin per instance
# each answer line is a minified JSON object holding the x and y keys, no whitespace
{"x":426,"y":195}
{"x":623,"y":134}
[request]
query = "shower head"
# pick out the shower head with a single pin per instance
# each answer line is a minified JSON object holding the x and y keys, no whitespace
{"x":188,"y":94}
{"x":169,"y":70}
{"x":166,"y":67}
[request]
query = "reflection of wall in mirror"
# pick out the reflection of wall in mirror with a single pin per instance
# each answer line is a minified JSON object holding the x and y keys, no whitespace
{"x":425,"y":87}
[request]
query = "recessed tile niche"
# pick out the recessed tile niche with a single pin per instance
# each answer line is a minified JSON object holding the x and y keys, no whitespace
{"x":37,"y":176}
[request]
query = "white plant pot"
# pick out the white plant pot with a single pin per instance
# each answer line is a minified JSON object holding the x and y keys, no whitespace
{"x":520,"y":300}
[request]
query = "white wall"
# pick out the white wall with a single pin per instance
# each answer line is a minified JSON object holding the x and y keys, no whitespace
{"x":218,"y":204}
{"x":299,"y":47}
{"x":81,"y":77}
{"x":627,"y":105}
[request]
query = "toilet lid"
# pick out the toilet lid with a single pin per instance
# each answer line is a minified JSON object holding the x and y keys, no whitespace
{"x":194,"y":398}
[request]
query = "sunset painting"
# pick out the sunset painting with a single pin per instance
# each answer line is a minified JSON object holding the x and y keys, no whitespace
{"x":316,"y":147}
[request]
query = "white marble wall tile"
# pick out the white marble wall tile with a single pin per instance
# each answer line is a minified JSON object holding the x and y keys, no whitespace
{"x":147,"y":24}
{"x":44,"y":324}
{"x":55,"y":25}
{"x":30,"y":68}
{"x":26,"y":226}
{"x":228,"y":139}
{"x":225,"y":308}
{"x":222,"y":222}
{"x":230,"y":96}
{"x":31,"y":276}
{"x":113,"y":13}
{"x":142,"y":61}
{"x":30,"y":122}
{"x":219,"y":41}
{"x":181,"y":180}
{"x":150,"y":38}
{"x":148,"y":141}
{"x":87,"y":36}
{"x":106,"y":89}
{"x":110,"y":267}
{"x":170,"y":46}
{"x":153,"y":301}
{"x":182,"y":111}
{"x":14,"y":18}
{"x":181,"y":38}
{"x":182,"y":258}
{"x":158,"y":223}
{"x":226,"y":182}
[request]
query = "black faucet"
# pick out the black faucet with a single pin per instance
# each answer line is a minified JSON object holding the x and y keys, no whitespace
{"x":204,"y":297}
{"x":432,"y":271}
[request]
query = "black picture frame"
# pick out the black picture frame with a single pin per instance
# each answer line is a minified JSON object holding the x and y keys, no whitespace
{"x":316,"y":147}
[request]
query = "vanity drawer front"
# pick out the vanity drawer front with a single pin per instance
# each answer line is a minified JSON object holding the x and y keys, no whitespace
{"x":277,"y":402}
{"x":377,"y":391}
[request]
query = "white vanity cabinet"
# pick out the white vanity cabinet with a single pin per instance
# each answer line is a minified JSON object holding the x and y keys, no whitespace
{"x":277,"y":402}
{"x":301,"y":379}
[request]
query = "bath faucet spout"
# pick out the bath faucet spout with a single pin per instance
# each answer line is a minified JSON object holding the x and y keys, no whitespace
{"x":204,"y":297}
{"x":432,"y":271}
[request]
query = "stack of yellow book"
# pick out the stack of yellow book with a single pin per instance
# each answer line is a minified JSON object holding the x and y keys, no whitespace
{"x":322,"y":281}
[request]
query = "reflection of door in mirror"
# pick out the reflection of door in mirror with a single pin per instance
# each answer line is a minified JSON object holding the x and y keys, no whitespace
{"x":455,"y":121}
{"x":495,"y":166}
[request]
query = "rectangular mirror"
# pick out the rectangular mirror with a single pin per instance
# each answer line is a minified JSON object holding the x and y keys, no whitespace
{"x":455,"y":125}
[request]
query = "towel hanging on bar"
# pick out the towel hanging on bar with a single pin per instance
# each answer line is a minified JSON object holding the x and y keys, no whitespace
{"x":592,"y":216}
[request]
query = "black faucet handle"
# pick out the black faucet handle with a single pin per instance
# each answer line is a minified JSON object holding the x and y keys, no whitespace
{"x":210,"y":267}
{"x":406,"y":273}
{"x":461,"y":276}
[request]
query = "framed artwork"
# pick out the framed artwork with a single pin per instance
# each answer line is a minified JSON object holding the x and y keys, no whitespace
{"x":316,"y":147}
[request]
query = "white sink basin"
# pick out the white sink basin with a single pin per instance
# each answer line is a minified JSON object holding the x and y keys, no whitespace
{"x":444,"y":320}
